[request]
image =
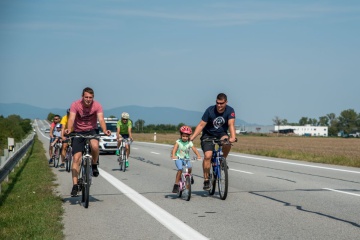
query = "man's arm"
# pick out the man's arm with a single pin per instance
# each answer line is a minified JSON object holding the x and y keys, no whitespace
{"x":130,"y":133}
{"x":198,"y":129}
{"x":231,"y":124}
{"x":52,"y":126}
{"x":103,"y":124}
{"x":70,"y":123}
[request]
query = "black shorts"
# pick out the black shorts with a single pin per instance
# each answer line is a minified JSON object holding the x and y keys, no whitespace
{"x":208,"y":145}
{"x":78,"y":143}
{"x":126,"y":136}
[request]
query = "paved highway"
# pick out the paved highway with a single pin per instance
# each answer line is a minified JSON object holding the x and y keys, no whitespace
{"x":268,"y":198}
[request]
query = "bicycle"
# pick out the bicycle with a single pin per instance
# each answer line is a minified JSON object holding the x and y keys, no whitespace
{"x":122,"y":159}
{"x":219,"y":169}
{"x":56,"y":153}
{"x":85,"y":173}
{"x":184,"y":189}
{"x":68,"y":156}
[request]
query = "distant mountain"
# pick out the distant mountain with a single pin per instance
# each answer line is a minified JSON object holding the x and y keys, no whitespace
{"x":28,"y":111}
{"x":151,"y":115}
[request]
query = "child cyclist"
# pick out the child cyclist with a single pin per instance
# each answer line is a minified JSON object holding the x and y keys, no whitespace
{"x":57,"y":134}
{"x":180,"y":152}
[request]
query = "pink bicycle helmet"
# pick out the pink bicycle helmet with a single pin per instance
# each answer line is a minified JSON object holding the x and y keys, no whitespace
{"x":186,"y":129}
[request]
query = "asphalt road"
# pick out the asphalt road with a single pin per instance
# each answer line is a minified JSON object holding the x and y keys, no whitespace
{"x":268,"y":199}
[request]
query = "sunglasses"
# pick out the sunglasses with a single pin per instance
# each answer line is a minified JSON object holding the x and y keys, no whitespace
{"x":220,"y":103}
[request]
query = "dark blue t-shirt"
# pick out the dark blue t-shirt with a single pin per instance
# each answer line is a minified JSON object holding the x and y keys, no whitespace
{"x":217,"y":123}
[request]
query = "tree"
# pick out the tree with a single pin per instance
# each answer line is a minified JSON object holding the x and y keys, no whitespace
{"x":284,"y":122}
{"x":303,"y":121}
{"x":139,"y":125}
{"x":348,"y":120}
{"x":50,"y":116}
{"x":14,"y":127}
{"x":323,"y":121}
{"x":277,"y":122}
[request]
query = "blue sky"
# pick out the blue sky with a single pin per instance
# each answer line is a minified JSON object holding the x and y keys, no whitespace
{"x":289,"y":59}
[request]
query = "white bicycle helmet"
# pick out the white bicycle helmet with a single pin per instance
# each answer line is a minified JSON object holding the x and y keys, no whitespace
{"x":125,"y":115}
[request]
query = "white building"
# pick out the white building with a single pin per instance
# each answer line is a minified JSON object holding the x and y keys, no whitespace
{"x":307,"y":130}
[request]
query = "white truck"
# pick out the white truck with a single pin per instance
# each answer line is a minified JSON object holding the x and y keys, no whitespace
{"x":108,"y":144}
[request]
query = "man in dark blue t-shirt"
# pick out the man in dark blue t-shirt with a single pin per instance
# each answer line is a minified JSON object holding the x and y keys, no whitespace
{"x":216,"y":122}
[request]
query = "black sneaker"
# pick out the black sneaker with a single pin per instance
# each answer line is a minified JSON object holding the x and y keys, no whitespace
{"x":206,"y":185}
{"x":95,"y":170}
{"x":50,"y":160}
{"x":74,"y":191}
{"x":176,"y":188}
{"x":192,"y":180}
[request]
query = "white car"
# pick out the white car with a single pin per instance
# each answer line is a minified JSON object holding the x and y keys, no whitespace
{"x":47,"y":130}
{"x":108,"y":144}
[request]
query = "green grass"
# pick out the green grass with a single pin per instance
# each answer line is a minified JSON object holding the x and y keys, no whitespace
{"x":29,"y":209}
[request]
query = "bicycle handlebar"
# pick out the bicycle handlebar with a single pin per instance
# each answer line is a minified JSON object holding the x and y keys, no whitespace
{"x":75,"y":135}
{"x":224,"y":141}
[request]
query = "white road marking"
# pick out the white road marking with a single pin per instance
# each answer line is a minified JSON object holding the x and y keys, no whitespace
{"x":298,"y":164}
{"x":333,"y":190}
{"x":240,"y":171}
{"x":176,"y":226}
{"x":154,"y":152}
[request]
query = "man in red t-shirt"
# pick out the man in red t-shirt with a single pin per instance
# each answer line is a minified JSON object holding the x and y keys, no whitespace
{"x":84,"y":114}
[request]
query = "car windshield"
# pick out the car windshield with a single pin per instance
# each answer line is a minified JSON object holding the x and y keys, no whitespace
{"x":109,"y":126}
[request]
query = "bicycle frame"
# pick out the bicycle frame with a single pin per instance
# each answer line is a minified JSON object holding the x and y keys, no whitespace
{"x":122,"y":159}
{"x":219,"y":169}
{"x":56,"y":152}
{"x":85,"y":173}
{"x":185,"y":181}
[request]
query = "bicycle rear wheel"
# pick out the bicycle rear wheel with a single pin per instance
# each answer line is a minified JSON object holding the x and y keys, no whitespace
{"x":86,"y":180}
{"x":212,"y":179}
{"x":223,"y":180}
{"x":187,"y":190}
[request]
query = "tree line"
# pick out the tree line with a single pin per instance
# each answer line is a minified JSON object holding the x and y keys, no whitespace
{"x":15,"y":127}
{"x":347,"y":122}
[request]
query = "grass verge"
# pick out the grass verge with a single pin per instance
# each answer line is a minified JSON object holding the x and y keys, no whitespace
{"x":337,"y":151}
{"x":29,"y":209}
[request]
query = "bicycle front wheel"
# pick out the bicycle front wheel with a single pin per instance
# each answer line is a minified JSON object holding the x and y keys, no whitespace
{"x":56,"y":157}
{"x":212,"y":179}
{"x":87,"y":182}
{"x":68,"y":159}
{"x":187,"y":190}
{"x":223,"y":180}
{"x":123,"y":156}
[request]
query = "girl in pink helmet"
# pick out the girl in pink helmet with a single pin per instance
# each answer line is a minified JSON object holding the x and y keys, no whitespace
{"x":180,"y":152}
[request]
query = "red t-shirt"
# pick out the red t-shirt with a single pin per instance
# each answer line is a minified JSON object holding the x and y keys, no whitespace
{"x":86,"y":117}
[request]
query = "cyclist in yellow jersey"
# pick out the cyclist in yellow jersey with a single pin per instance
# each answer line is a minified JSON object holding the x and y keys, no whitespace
{"x":64,"y":121}
{"x":123,"y":130}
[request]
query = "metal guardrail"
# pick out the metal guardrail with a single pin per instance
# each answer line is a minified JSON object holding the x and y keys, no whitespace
{"x":8,"y":163}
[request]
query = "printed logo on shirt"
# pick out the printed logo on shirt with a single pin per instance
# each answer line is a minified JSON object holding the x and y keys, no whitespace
{"x":218,"y":122}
